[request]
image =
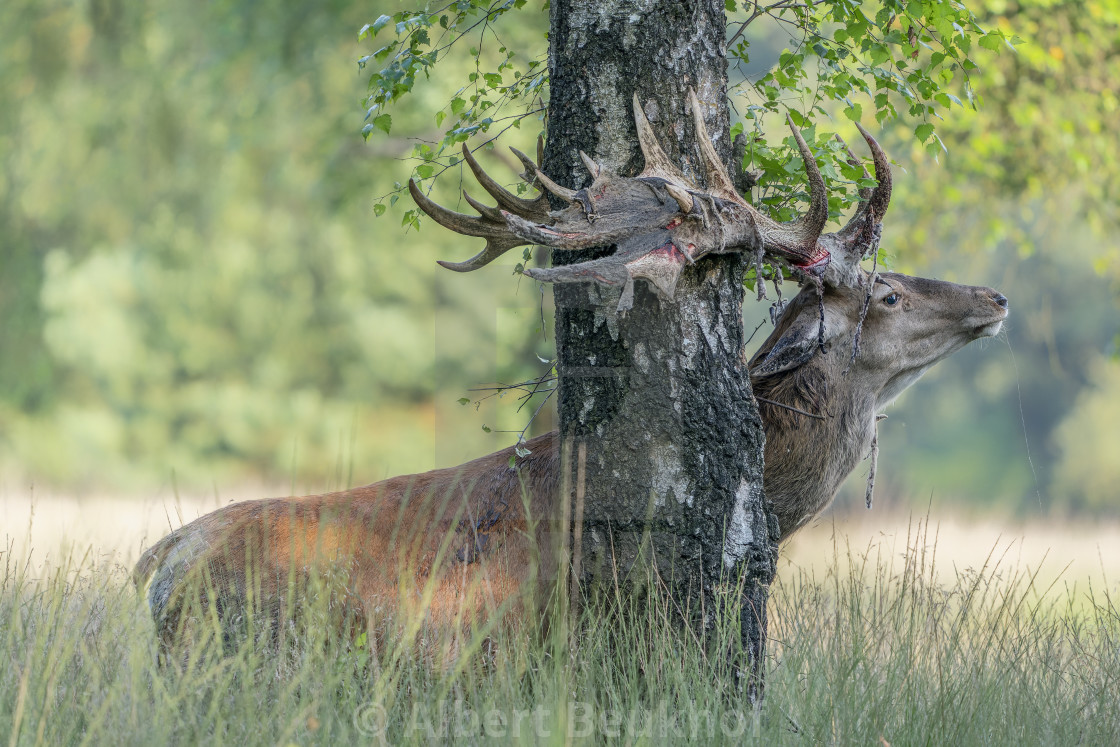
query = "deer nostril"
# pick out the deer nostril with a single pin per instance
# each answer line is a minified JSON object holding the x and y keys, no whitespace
{"x":1000,"y":300}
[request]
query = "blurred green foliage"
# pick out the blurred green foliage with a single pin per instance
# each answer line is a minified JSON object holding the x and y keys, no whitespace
{"x":192,"y":280}
{"x":1027,"y":199}
{"x":194,"y":285}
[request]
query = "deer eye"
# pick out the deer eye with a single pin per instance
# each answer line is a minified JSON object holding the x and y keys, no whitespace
{"x":891,"y":299}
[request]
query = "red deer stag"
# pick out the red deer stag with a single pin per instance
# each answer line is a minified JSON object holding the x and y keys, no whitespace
{"x":453,"y":545}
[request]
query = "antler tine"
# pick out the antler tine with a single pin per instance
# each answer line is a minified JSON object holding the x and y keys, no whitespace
{"x":811,"y":224}
{"x":529,"y":174}
{"x":499,"y":239}
{"x":657,"y":163}
{"x":594,"y":168}
{"x":535,"y":209}
{"x":562,"y":192}
{"x":855,"y":223}
{"x":873,"y":202}
{"x":719,"y":181}
{"x":457,"y":222}
{"x":534,"y":176}
{"x":881,"y":195}
{"x":490,"y":213}
{"x":483,"y":258}
{"x":685,"y":201}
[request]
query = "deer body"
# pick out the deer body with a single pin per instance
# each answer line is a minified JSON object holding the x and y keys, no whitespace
{"x":448,"y":546}
{"x":453,"y":545}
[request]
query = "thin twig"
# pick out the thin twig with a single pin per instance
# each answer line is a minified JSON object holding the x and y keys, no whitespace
{"x":530,"y":389}
{"x":748,"y":342}
{"x":789,"y":407}
{"x":866,"y":302}
{"x":445,"y":167}
{"x":780,"y":5}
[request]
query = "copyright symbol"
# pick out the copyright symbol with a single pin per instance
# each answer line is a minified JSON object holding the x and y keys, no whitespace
{"x":369,"y":720}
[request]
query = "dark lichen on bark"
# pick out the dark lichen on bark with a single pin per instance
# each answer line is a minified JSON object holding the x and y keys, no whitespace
{"x":661,"y":397}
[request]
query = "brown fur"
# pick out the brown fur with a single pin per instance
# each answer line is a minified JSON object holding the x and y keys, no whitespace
{"x":448,"y":547}
{"x":807,"y":458}
{"x":452,"y":546}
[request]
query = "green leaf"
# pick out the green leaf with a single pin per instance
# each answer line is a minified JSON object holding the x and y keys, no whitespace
{"x":486,"y":428}
{"x":425,"y":170}
{"x":854,"y":112}
{"x":464,"y":400}
{"x":991,"y":41}
{"x":923,"y":131}
{"x":383,"y":122}
{"x":379,"y":209}
{"x":381,"y":22}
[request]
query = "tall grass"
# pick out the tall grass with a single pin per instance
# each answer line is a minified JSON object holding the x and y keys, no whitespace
{"x":874,"y":650}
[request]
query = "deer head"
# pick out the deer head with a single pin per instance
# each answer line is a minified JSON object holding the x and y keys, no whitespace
{"x":820,"y":401}
{"x":660,"y":221}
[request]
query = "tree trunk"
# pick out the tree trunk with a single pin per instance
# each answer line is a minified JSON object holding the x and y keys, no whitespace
{"x":660,"y":399}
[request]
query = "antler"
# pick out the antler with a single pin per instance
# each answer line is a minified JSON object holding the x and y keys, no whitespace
{"x":860,"y":235}
{"x":873,"y":203}
{"x":490,"y":223}
{"x":658,"y":221}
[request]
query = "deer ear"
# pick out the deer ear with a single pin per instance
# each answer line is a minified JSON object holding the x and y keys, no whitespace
{"x":797,"y":346}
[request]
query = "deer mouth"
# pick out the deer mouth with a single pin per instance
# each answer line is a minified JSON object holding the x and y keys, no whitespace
{"x":991,"y":329}
{"x":991,"y":326}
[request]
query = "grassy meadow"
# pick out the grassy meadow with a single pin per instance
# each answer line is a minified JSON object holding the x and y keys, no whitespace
{"x":884,"y":629}
{"x":196,"y":292}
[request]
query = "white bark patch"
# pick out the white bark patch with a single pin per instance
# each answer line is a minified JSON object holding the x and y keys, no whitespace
{"x":641,"y":358}
{"x":713,"y":329}
{"x":584,"y":411}
{"x":688,"y":345}
{"x":668,"y":476}
{"x":740,"y":534}
{"x":615,"y":142}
